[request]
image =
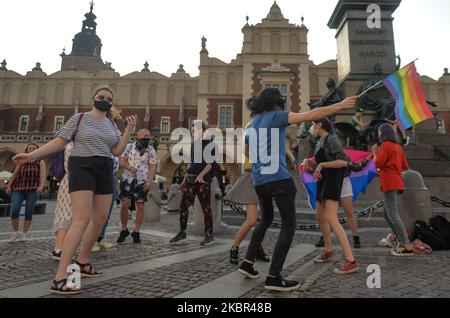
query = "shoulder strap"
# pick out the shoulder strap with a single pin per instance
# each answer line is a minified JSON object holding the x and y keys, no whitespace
{"x":78,"y":125}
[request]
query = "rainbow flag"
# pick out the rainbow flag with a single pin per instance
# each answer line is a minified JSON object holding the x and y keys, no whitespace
{"x":411,"y":106}
{"x":360,"y":180}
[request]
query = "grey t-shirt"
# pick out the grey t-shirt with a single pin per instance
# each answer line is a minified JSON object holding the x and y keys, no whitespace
{"x":94,"y":137}
{"x":333,"y":148}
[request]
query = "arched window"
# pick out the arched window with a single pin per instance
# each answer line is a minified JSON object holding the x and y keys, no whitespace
{"x":152,"y":94}
{"x":171,"y":95}
{"x":212,"y":83}
{"x":294,"y":43}
{"x":59,"y":94}
{"x":134,"y":100}
{"x":76,"y":96}
{"x":257,"y":43}
{"x":41,"y":93}
{"x":6,"y":94}
{"x":24,"y":91}
{"x":276,"y":43}
{"x":231,"y":83}
{"x":314,"y":83}
{"x":188,"y":95}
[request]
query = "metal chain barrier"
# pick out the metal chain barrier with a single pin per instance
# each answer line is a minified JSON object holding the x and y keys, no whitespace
{"x":444,"y":203}
{"x":162,"y":205}
{"x":305,"y":227}
{"x":439,"y":153}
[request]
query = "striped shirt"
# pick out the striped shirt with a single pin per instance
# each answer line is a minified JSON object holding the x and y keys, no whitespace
{"x":28,"y":177}
{"x":94,"y":137}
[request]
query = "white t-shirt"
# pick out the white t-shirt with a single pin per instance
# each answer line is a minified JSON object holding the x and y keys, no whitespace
{"x":139,"y":162}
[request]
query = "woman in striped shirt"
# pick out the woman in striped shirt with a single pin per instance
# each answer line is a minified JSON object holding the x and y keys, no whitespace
{"x":96,"y":140}
{"x":26,"y":183}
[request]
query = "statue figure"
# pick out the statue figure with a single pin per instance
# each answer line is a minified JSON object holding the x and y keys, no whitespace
{"x":379,"y":99}
{"x":204,"y":50}
{"x":333,"y":96}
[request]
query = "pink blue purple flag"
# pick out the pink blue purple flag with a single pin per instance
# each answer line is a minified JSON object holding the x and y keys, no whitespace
{"x":360,"y":180}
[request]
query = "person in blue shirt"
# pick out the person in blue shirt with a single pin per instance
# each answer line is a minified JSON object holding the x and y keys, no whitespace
{"x":272,"y":180}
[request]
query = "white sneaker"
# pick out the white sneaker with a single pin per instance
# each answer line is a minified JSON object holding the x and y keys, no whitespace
{"x":95,"y":248}
{"x":14,"y":237}
{"x":105,"y":245}
{"x":21,"y":237}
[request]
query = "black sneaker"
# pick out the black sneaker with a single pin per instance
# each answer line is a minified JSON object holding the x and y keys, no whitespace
{"x":281,"y":285}
{"x":136,"y":237}
{"x":248,"y":271}
{"x":262,"y":256}
{"x":208,"y":241}
{"x":123,"y":235}
{"x":180,"y":236}
{"x":234,"y":255}
{"x":356,"y":242}
{"x":56,"y":256}
{"x":321,"y":243}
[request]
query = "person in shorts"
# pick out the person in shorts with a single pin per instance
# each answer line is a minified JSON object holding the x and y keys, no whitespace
{"x":139,"y":162}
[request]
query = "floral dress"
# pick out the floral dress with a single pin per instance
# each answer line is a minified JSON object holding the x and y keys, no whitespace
{"x":63,"y":212}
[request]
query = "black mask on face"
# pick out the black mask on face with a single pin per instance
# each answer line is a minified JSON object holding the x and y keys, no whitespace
{"x":142,"y":145}
{"x":102,"y":106}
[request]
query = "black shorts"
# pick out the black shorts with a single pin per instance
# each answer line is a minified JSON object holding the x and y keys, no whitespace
{"x":127,"y":191}
{"x":91,"y":174}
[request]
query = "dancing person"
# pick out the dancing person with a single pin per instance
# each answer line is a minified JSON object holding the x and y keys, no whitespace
{"x":139,"y":162}
{"x":332,"y":163}
{"x":26,"y":183}
{"x":243,"y":193}
{"x":272,"y":179}
{"x":63,"y":211}
{"x":391,"y":161}
{"x":346,"y":197}
{"x":96,"y":140}
{"x":197,"y":183}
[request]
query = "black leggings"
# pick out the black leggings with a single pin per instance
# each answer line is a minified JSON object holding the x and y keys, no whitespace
{"x":283,"y":192}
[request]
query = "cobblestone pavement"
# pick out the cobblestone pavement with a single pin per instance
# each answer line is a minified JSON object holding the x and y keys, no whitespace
{"x":27,"y":263}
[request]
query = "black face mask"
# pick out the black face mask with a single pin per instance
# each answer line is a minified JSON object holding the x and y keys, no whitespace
{"x":102,"y":106}
{"x":142,"y":145}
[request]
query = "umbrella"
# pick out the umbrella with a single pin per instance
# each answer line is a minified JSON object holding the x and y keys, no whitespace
{"x":5,"y":175}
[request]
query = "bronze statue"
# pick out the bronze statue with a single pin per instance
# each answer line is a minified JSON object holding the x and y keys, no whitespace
{"x":333,"y":96}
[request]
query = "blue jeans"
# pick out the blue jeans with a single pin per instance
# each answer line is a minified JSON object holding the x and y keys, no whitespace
{"x":18,"y":197}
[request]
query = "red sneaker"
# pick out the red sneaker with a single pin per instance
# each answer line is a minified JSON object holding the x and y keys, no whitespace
{"x":347,"y":268}
{"x":324,"y":257}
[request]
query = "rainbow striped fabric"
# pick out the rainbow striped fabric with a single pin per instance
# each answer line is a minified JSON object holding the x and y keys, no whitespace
{"x":411,"y":107}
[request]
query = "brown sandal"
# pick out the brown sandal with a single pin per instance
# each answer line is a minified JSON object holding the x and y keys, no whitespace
{"x":60,"y":288}
{"x":91,"y":272}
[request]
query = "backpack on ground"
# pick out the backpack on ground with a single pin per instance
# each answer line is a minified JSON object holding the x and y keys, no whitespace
{"x":427,"y":235}
{"x":440,"y":225}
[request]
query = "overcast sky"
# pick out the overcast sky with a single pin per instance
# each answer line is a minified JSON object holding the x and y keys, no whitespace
{"x":167,"y":33}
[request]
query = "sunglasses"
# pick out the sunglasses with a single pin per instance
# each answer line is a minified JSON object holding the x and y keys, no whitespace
{"x":102,"y":98}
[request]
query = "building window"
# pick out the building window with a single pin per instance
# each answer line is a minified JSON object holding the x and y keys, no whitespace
{"x":165,"y":125}
{"x":225,"y":117}
{"x":59,"y":123}
{"x":23,"y":124}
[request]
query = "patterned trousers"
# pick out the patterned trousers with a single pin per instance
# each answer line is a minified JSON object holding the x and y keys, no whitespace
{"x":203,"y":192}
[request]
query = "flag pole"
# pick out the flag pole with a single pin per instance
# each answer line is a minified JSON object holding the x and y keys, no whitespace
{"x":372,"y":87}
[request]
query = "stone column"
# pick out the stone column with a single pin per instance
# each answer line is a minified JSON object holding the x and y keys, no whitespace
{"x":199,"y":221}
{"x":152,"y":210}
